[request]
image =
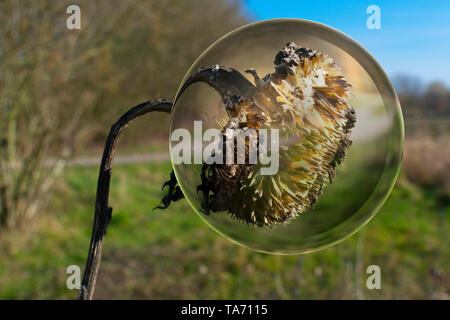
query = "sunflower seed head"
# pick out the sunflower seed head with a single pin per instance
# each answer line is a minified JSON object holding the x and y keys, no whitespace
{"x":307,"y":99}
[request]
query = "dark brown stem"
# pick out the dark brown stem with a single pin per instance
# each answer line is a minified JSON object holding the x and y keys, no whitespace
{"x":102,"y":210}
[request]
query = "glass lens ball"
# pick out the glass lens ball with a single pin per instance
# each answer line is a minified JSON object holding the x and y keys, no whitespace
{"x":333,"y":136}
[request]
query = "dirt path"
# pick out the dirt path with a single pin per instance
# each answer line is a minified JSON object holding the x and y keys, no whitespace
{"x":125,"y":159}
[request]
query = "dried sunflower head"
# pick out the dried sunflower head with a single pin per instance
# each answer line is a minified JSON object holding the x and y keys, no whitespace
{"x":307,"y":99}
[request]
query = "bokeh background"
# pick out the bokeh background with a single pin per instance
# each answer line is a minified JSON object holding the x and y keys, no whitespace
{"x":60,"y":91}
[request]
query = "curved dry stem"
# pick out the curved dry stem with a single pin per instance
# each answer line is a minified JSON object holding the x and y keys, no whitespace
{"x":102,"y":210}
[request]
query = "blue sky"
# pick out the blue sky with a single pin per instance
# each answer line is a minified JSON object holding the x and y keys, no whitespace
{"x":414,"y":37}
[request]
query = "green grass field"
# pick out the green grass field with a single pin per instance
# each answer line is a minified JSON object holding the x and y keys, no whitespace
{"x":173,"y":254}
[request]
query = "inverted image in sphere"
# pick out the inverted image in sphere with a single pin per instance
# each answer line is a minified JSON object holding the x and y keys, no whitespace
{"x":291,"y":136}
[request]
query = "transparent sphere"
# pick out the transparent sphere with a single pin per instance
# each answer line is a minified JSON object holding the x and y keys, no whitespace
{"x":339,"y":126}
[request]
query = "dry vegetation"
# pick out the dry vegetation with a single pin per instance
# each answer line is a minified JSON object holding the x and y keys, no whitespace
{"x":427,"y":120}
{"x":427,"y":162}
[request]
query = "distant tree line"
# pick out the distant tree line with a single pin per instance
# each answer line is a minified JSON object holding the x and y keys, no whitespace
{"x":418,"y":99}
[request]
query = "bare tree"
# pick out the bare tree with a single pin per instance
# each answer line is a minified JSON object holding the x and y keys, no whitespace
{"x":60,"y":87}
{"x":436,"y":99}
{"x":408,"y":85}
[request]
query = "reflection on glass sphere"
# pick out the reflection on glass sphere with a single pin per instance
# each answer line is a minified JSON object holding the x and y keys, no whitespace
{"x":321,"y":144}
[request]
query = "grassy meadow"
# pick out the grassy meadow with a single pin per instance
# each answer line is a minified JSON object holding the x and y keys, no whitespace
{"x":173,"y":254}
